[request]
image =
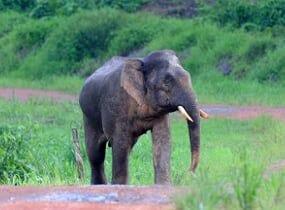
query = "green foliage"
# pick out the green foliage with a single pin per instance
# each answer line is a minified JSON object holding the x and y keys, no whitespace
{"x":239,"y":51}
{"x":135,"y":34}
{"x":67,"y":52}
{"x":23,"y":42}
{"x":272,"y":67}
{"x":44,"y":8}
{"x":15,"y":152}
{"x":206,"y":194}
{"x":228,"y":179}
{"x":9,"y":20}
{"x":65,"y":49}
{"x":247,"y":181}
{"x":20,"y":5}
{"x":38,"y":145}
{"x":126,"y":5}
{"x":79,"y":43}
{"x":256,"y":14}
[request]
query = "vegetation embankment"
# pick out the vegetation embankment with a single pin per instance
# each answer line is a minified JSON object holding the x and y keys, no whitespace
{"x":234,"y":51}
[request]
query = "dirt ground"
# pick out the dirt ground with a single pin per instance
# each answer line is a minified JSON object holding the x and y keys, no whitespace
{"x":218,"y":110}
{"x":87,"y":197}
{"x":112,"y":197}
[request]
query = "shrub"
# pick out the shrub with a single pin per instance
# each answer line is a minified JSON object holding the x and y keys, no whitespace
{"x":17,"y":4}
{"x":14,"y":150}
{"x":23,"y":41}
{"x":9,"y":20}
{"x":138,"y":31}
{"x":247,"y":181}
{"x":239,"y":13}
{"x":84,"y":35}
{"x":272,"y":67}
{"x":126,"y":5}
{"x":44,"y":8}
{"x":258,"y":49}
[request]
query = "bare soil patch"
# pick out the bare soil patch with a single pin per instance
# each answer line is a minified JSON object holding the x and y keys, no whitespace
{"x":24,"y":94}
{"x":224,"y":111}
{"x":88,"y":197}
{"x":245,"y":112}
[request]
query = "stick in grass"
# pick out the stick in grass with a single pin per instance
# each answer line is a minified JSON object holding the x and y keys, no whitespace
{"x":77,"y":153}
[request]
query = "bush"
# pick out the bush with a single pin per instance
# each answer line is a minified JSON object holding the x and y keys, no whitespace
{"x":14,"y":152}
{"x":138,"y":31}
{"x":43,"y":8}
{"x":23,"y":41}
{"x":240,"y":13}
{"x":126,"y":5}
{"x":20,"y":5}
{"x":272,"y":67}
{"x":66,"y":49}
{"x":9,"y":20}
{"x":247,"y":181}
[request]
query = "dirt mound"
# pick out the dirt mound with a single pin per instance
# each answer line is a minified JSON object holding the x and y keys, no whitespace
{"x":88,"y":197}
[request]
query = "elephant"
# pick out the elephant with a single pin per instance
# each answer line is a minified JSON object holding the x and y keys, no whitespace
{"x":127,"y":97}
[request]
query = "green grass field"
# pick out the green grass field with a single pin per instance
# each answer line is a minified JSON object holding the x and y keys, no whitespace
{"x":36,"y":149}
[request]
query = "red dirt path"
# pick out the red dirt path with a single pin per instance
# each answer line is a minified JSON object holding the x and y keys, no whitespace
{"x":87,"y":197}
{"x":26,"y":94}
{"x":225,"y":111}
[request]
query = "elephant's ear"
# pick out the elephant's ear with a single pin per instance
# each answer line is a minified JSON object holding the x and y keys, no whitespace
{"x":132,"y":79}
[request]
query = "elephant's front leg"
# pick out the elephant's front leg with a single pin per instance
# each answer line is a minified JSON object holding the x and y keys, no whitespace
{"x":121,"y":146}
{"x":161,"y":151}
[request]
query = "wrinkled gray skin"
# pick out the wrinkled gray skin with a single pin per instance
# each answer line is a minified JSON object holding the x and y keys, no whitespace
{"x":127,"y":97}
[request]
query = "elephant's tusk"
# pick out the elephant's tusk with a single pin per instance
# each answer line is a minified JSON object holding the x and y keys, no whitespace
{"x":184,"y":113}
{"x":204,"y":114}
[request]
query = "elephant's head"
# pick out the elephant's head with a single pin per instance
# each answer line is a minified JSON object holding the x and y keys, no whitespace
{"x":160,"y":81}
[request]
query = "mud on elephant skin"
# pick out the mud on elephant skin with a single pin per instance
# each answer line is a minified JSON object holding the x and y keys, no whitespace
{"x":127,"y":97}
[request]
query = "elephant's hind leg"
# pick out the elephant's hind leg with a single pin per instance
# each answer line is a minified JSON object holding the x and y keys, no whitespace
{"x":96,"y":146}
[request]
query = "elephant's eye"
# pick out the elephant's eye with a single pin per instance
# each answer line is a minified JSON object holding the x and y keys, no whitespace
{"x":168,"y":80}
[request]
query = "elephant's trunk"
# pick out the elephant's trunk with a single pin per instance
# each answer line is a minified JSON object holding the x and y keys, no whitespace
{"x":194,"y":131}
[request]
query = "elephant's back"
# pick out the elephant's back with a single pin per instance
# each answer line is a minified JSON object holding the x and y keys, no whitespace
{"x":108,"y":69}
{"x":99,"y":84}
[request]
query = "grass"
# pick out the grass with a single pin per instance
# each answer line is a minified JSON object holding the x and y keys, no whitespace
{"x":231,"y":149}
{"x":216,"y":89}
{"x":68,"y":84}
